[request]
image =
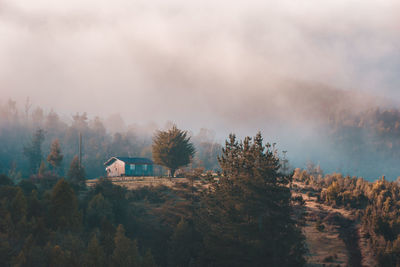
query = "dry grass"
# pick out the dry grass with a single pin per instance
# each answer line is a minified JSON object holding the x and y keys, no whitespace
{"x":341,"y":242}
{"x":138,"y":182}
{"x":325,"y":247}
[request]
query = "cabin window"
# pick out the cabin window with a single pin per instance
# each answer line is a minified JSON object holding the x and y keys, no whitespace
{"x":133,"y":167}
{"x":145,"y":167}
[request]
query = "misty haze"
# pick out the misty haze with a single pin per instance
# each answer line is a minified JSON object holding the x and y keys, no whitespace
{"x":177,"y":133}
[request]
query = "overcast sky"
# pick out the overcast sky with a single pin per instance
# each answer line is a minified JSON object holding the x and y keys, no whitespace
{"x":226,"y":65}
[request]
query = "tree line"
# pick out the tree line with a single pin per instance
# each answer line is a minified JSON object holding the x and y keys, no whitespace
{"x":366,"y":143}
{"x":27,"y":135}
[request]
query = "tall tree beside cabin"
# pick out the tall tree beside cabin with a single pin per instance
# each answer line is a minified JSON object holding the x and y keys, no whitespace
{"x":172,"y":149}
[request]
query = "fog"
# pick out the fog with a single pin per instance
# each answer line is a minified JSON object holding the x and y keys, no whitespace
{"x":282,"y":67}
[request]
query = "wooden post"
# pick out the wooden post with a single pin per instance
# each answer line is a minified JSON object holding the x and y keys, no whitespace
{"x":80,"y":150}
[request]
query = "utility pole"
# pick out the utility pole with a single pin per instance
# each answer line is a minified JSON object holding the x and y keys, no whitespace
{"x":80,"y":150}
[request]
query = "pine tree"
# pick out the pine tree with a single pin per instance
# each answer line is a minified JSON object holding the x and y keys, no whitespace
{"x":126,"y":252}
{"x":18,"y":206}
{"x":40,"y":232}
{"x":64,"y":207}
{"x":35,"y":208}
{"x":33,"y":151}
{"x":95,"y":256}
{"x":76,"y":172}
{"x":6,"y":222}
{"x":55,"y":157}
{"x":148,"y":260}
{"x":172,"y":149}
{"x":180,"y":247}
{"x":30,"y":255}
{"x":6,"y":251}
{"x":58,"y":257}
{"x":245,"y":217}
{"x":107,"y":234}
{"x":99,"y":209}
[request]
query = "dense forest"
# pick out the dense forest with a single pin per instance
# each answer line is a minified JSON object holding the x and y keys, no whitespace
{"x":232,"y":221}
{"x":18,"y":128}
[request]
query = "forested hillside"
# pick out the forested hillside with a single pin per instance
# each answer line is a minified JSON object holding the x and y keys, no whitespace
{"x":244,"y":218}
{"x":49,"y":217}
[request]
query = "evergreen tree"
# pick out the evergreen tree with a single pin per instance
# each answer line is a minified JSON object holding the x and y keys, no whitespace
{"x":95,"y":255}
{"x":148,"y":259}
{"x":58,"y":257}
{"x":27,"y":186}
{"x":18,"y":206}
{"x":99,"y":209}
{"x":35,"y":208}
{"x":245,"y":217}
{"x":107,"y":234}
{"x":126,"y":252}
{"x":30,"y":255}
{"x":76,"y":172}
{"x":181,"y":245}
{"x":40,"y":232}
{"x":33,"y":151}
{"x":6,"y":251}
{"x":172,"y":149}
{"x":6,"y":223}
{"x":55,"y":157}
{"x":64,"y":207}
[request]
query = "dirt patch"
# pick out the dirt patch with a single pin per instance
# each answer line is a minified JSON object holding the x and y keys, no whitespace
{"x":348,"y":232}
{"x":334,"y":235}
{"x":324,"y":244}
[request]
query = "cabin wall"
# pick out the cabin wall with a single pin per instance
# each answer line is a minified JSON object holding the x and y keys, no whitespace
{"x":117,"y":168}
{"x":139,"y":169}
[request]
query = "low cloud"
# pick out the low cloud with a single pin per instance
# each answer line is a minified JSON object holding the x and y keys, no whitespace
{"x":237,"y":66}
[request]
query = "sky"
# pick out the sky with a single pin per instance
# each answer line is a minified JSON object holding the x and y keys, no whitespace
{"x":231,"y":66}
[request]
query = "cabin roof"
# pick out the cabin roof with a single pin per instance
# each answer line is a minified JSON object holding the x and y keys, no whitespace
{"x":129,"y":160}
